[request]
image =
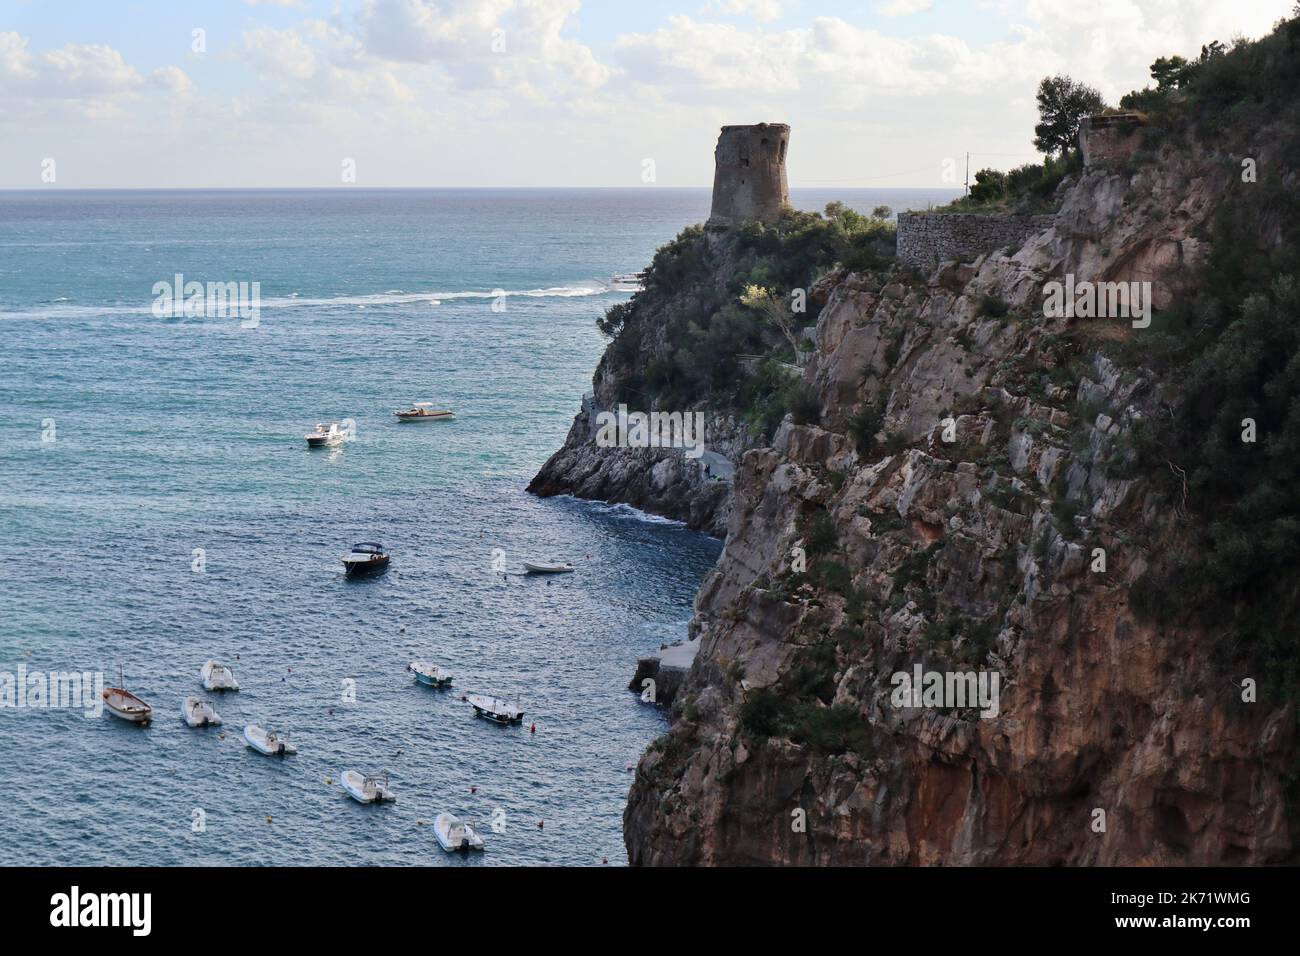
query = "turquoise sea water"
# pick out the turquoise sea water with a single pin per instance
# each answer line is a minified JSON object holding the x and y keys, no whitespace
{"x":128,"y":442}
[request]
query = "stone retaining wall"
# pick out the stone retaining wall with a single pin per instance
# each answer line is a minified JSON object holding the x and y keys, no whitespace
{"x":926,"y":239}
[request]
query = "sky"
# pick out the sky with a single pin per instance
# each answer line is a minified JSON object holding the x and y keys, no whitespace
{"x":456,"y":93}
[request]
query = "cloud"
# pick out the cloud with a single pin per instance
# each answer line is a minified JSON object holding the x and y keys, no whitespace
{"x":903,"y":8}
{"x":513,"y":46}
{"x":763,"y":11}
{"x":283,"y":53}
{"x":89,"y":78}
{"x":688,"y":55}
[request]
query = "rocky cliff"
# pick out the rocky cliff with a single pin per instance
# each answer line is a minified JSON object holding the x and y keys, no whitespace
{"x":978,"y":490}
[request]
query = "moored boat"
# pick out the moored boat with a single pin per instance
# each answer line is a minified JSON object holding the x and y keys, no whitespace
{"x":495,"y":709}
{"x":366,"y":557}
{"x":539,"y":567}
{"x":429,"y":674}
{"x":199,"y":713}
{"x":216,"y":676}
{"x":627,"y":282}
{"x":424,"y":412}
{"x":268,"y":741}
{"x":124,"y":704}
{"x":455,"y":835}
{"x":367,"y":787}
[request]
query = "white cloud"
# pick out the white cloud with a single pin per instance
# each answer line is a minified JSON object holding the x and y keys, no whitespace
{"x":764,"y":11}
{"x":89,"y":78}
{"x":688,"y":55}
{"x":279,"y":53}
{"x":513,"y":46}
{"x":903,"y":8}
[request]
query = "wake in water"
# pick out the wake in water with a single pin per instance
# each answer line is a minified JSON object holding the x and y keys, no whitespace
{"x":55,"y":310}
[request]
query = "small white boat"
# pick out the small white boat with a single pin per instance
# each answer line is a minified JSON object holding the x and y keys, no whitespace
{"x":367,"y":787}
{"x":424,"y":412}
{"x":537,"y":567}
{"x":324,"y":437}
{"x":268,"y":741}
{"x":429,"y":674}
{"x":627,"y":282}
{"x":495,"y":709}
{"x":217,"y":676}
{"x":454,"y":835}
{"x":199,"y":713}
{"x":124,"y":704}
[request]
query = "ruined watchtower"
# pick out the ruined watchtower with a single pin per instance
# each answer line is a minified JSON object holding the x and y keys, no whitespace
{"x":749,"y":180}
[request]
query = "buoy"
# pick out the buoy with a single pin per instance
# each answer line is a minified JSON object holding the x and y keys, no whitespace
{"x":541,"y":824}
{"x":533,"y":729}
{"x":330,"y":781}
{"x":473,"y":789}
{"x":268,"y":818}
{"x":604,"y":859}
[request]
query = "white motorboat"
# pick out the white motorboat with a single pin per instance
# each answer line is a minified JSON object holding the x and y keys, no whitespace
{"x":538,"y":567}
{"x":627,"y":282}
{"x":124,"y":704}
{"x":367,"y":787}
{"x":199,"y":713}
{"x":495,"y":709}
{"x":430,"y":674}
{"x":424,"y":412}
{"x":324,"y":437}
{"x":268,"y":741}
{"x":454,"y":835}
{"x":217,"y":676}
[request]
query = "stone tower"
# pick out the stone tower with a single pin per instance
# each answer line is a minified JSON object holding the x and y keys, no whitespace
{"x":749,"y":180}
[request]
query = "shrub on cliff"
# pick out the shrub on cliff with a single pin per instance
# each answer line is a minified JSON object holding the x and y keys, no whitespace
{"x":1231,"y":353}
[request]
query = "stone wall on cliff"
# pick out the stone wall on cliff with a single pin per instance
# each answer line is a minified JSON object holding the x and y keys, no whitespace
{"x":926,"y":239}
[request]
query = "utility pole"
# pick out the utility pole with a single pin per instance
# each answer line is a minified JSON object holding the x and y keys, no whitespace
{"x":968,"y":174}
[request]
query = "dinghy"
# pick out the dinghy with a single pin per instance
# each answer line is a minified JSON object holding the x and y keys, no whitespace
{"x":537,"y":567}
{"x":217,"y":677}
{"x":124,"y":704}
{"x":367,"y":787}
{"x":366,"y":557}
{"x":495,"y":709}
{"x":424,"y":412}
{"x":429,"y":674}
{"x":268,"y":741}
{"x":199,"y":713}
{"x":454,"y":835}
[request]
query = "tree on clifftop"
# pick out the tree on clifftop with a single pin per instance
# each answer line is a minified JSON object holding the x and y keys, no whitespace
{"x":1062,"y":104}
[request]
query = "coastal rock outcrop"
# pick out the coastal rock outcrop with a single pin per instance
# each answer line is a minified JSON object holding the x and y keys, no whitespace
{"x":967,"y":501}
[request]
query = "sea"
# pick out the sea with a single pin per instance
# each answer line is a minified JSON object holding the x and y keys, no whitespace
{"x":159,"y":508}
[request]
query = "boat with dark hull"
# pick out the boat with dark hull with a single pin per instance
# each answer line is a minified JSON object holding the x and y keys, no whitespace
{"x":495,"y":709}
{"x":365,"y":558}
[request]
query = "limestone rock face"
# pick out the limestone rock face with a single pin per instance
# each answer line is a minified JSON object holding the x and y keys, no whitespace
{"x":990,"y":523}
{"x":661,"y":481}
